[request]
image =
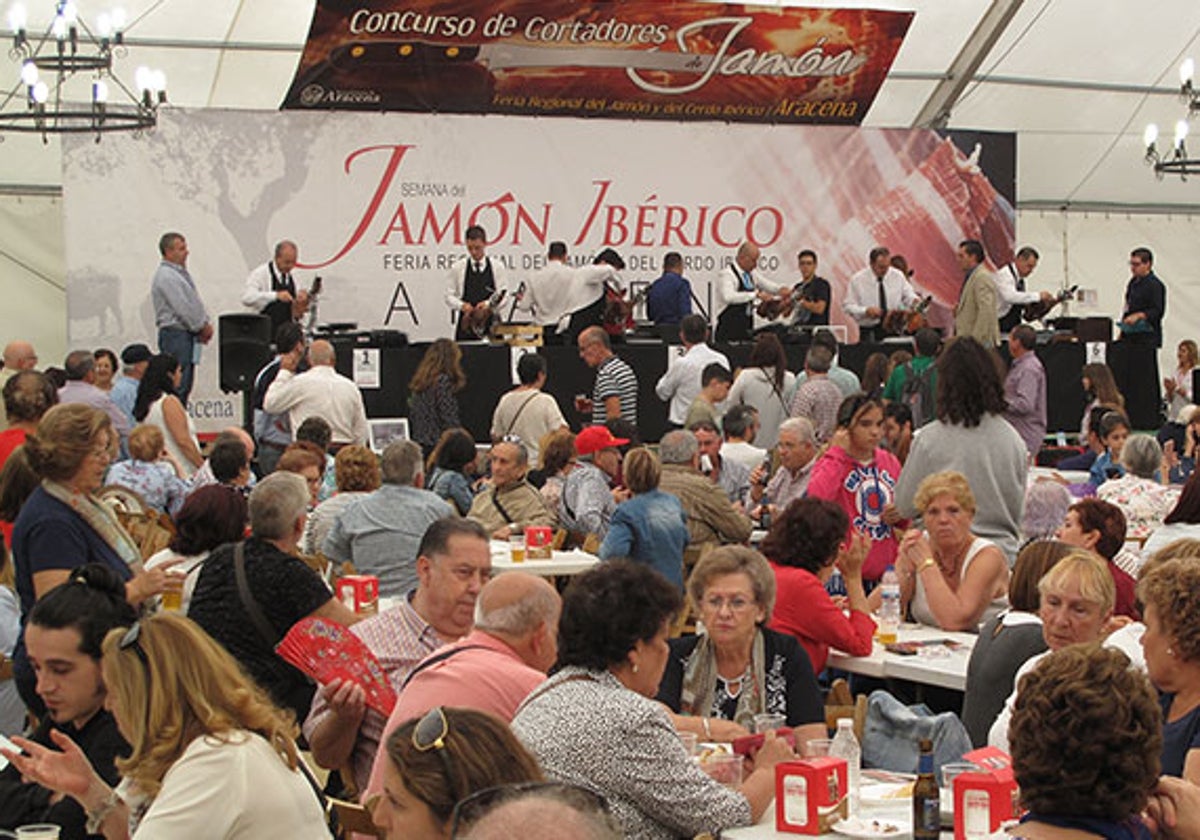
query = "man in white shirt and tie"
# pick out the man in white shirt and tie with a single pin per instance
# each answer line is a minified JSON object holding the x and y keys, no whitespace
{"x":1011,"y":295}
{"x":471,"y":284}
{"x":874,"y":291}
{"x":271,"y":291}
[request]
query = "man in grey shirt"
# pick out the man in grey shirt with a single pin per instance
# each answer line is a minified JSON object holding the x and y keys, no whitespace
{"x":80,"y":366}
{"x":381,"y":533}
{"x":179,"y":313}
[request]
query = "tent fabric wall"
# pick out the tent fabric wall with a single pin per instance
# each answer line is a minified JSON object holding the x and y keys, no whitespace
{"x":33,"y":274}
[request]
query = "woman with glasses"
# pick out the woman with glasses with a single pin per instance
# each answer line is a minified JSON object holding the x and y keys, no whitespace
{"x":859,"y":475}
{"x":717,"y":681}
{"x":63,"y":525}
{"x":158,"y":404}
{"x":64,"y":634}
{"x":595,"y":724}
{"x":971,"y":436}
{"x":436,"y":761}
{"x":210,"y":756}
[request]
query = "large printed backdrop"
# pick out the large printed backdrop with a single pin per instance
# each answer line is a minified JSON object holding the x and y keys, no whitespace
{"x":379,"y":203}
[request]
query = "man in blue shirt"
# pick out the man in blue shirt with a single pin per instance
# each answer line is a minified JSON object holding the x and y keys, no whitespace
{"x":670,"y":296}
{"x":179,"y":313}
{"x":134,"y":360}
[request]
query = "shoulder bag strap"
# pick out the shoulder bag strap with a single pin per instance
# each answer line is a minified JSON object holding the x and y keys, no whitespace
{"x":528,"y":400}
{"x":496,"y":501}
{"x":435,"y":659}
{"x":265,"y":631}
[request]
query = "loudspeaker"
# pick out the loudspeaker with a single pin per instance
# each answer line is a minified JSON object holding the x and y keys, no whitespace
{"x":244,"y":343}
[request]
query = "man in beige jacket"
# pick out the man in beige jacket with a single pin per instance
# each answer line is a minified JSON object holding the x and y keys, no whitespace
{"x":975,"y":312}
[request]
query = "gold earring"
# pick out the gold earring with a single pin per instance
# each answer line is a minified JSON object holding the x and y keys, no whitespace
{"x":635,"y":668}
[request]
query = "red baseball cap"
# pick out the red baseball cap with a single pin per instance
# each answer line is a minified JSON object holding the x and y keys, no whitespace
{"x":594,"y":438}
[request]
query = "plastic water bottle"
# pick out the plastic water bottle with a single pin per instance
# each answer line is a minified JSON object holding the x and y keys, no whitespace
{"x":889,"y":606}
{"x":845,"y":745}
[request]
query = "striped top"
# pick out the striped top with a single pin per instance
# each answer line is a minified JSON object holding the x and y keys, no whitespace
{"x":614,"y":378}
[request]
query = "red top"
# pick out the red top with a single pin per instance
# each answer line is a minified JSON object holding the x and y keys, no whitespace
{"x":1126,"y":603}
{"x":804,"y":609}
{"x":10,"y":439}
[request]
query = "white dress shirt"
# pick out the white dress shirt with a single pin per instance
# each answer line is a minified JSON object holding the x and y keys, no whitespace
{"x":258,"y":294}
{"x":320,"y":392}
{"x":1007,"y":295}
{"x":864,"y":293}
{"x":457,"y":275}
{"x":728,"y":288}
{"x":681,"y":383}
{"x":558,"y":290}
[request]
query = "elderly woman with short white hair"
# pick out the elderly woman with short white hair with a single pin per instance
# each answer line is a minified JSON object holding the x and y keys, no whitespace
{"x":1140,"y":494}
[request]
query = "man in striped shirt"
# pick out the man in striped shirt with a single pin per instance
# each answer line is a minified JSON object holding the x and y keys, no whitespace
{"x":616,"y":389}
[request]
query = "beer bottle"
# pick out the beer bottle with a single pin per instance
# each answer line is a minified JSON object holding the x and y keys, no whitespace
{"x":927,"y":817}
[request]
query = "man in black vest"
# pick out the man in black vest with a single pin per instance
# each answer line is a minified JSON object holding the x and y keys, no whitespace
{"x":271,"y":291}
{"x":471,"y":285}
{"x":1011,"y":294}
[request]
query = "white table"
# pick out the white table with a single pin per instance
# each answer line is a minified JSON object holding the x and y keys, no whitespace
{"x":898,"y":812}
{"x":561,"y":563}
{"x":949,"y":671}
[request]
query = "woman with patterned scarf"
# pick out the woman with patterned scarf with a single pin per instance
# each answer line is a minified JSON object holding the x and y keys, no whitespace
{"x":62,"y":525}
{"x":717,"y":681}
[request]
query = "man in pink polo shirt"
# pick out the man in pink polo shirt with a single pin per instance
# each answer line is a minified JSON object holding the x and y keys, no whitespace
{"x":507,"y":655}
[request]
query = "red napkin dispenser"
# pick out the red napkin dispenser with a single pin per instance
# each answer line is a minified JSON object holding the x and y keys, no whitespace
{"x":810,"y":795}
{"x":986,"y":798}
{"x":359,"y":593}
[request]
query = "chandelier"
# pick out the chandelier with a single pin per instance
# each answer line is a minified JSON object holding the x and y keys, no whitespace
{"x":53,"y":94}
{"x":1176,"y":160}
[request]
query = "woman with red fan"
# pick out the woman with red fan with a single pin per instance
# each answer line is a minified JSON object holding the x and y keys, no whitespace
{"x":210,"y":757}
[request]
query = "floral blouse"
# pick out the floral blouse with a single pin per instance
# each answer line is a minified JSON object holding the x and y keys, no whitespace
{"x":1144,"y":502}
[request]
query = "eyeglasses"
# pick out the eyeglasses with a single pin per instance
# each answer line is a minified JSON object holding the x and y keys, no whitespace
{"x":736,"y":603}
{"x":475,"y":807}
{"x":430,"y":734}
{"x":130,"y":640}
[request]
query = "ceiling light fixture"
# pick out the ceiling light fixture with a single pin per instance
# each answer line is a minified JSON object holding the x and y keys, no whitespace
{"x":1175,"y":161}
{"x":62,"y":62}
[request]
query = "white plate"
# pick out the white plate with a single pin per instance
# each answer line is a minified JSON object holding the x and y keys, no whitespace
{"x":872,"y":829}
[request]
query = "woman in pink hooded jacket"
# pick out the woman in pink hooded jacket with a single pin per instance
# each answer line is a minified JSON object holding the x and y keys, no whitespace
{"x":860,"y":476}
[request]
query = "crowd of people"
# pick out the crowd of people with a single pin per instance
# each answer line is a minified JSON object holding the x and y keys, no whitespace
{"x":519,"y":703}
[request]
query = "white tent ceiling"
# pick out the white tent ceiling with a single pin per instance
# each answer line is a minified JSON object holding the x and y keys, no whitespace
{"x":1076,"y":79}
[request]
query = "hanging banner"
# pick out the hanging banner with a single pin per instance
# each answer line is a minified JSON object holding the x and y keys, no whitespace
{"x":632,"y":59}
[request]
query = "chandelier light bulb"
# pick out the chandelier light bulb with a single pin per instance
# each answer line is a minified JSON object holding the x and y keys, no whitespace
{"x":60,"y":27}
{"x":70,"y":13}
{"x":99,"y":91}
{"x":1181,"y":132}
{"x":104,"y":25}
{"x":1187,"y":71}
{"x":118,"y":19}
{"x":41,"y":93}
{"x":17,"y":17}
{"x":29,"y":73}
{"x":158,"y":81}
{"x":142,"y":78}
{"x":1150,"y":136}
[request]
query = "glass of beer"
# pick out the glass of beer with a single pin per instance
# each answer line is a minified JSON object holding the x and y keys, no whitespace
{"x":516,"y":547}
{"x":172,"y":595}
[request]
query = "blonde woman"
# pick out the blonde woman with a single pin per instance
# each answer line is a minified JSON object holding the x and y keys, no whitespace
{"x":210,"y":756}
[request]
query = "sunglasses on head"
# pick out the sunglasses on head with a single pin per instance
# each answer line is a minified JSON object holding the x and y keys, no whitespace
{"x":430,"y":734}
{"x":475,"y":807}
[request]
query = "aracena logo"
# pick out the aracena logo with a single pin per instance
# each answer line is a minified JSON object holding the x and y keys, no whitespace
{"x":312,"y":95}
